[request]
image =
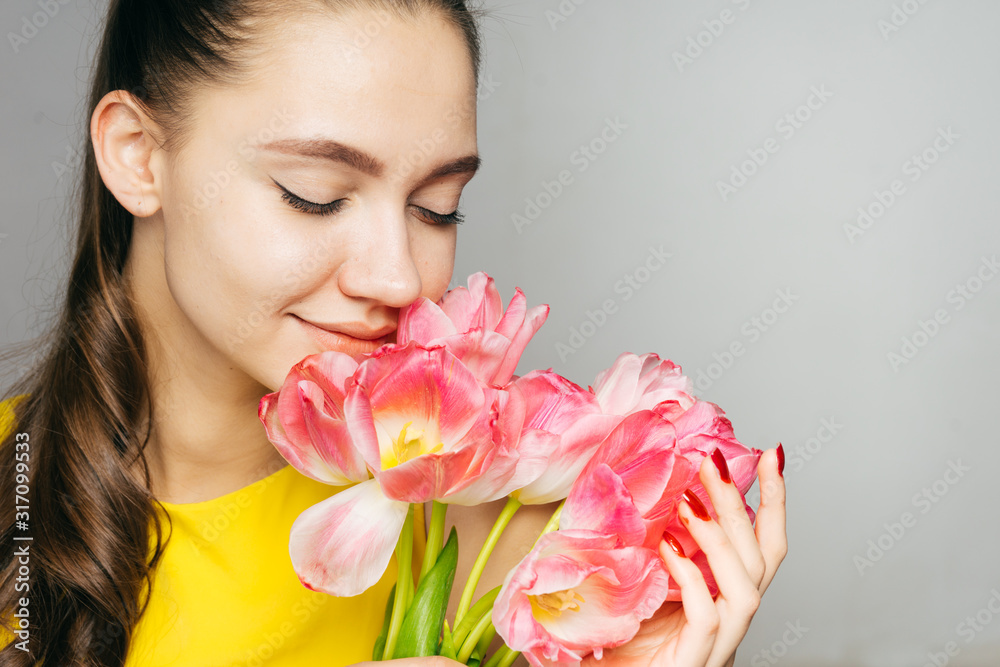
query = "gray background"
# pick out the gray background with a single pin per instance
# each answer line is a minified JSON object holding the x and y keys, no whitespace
{"x":865,"y":438}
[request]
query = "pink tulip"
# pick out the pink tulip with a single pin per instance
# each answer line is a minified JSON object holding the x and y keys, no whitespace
{"x":305,"y":420}
{"x":577,"y":592}
{"x":473,"y":325}
{"x":413,"y":417}
{"x":700,"y":430}
{"x":704,"y":427}
{"x":639,"y":464}
{"x":641,"y":470}
{"x":342,"y":545}
{"x":636,"y":383}
{"x":571,"y":418}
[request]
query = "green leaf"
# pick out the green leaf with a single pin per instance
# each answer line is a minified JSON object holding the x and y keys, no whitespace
{"x":447,"y":649}
{"x":418,"y":637}
{"x":380,"y":642}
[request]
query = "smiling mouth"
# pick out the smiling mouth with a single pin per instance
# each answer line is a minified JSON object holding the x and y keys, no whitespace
{"x":342,"y":342}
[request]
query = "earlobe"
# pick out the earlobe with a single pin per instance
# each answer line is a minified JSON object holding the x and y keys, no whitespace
{"x":127,"y":153}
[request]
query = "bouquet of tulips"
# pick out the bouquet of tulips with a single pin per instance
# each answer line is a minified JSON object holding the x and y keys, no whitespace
{"x":439,"y":417}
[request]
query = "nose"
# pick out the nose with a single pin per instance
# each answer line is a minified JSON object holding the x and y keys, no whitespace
{"x":381,"y":267}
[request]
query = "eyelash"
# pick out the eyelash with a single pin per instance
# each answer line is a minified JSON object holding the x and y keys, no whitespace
{"x":312,"y":208}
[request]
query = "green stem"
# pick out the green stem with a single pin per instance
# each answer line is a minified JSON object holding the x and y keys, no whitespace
{"x":404,"y":583}
{"x":473,"y":639}
{"x":501,"y":654}
{"x":553,"y":523}
{"x":484,"y":555}
{"x":483,"y":607}
{"x":435,"y":537}
{"x":509,"y":658}
{"x":484,"y":642}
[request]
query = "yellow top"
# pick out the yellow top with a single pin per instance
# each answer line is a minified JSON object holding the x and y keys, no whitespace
{"x":225,"y":594}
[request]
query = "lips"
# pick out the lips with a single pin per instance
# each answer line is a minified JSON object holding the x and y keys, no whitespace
{"x":360,"y":343}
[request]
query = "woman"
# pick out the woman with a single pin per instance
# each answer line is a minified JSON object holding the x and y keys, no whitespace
{"x":263,"y":181}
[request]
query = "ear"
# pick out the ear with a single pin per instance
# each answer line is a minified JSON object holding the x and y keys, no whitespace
{"x":128,"y":153}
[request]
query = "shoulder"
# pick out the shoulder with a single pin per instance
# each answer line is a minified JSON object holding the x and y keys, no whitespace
{"x":7,"y":415}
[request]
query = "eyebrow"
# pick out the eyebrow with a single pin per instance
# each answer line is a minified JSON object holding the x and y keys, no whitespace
{"x":357,"y":159}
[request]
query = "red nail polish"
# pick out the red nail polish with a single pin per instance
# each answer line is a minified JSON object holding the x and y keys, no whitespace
{"x":781,"y":460}
{"x":720,"y":462}
{"x":697,"y":506}
{"x":674,"y":544}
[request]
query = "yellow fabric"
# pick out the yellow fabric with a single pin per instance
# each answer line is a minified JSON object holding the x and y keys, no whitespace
{"x":225,"y":594}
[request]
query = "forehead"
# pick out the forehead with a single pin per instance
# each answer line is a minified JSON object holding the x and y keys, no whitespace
{"x":365,"y":78}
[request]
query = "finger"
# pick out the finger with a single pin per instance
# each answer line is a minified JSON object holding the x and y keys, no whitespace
{"x":732,"y":514}
{"x":738,"y":591}
{"x":697,"y":636}
{"x":770,"y":530}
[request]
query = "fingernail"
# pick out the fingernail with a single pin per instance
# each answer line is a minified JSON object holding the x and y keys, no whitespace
{"x":674,"y":544}
{"x":697,"y":506}
{"x":781,"y":460}
{"x":720,"y":462}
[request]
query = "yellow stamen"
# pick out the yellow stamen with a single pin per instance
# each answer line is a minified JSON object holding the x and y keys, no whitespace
{"x":410,"y":444}
{"x":554,"y":604}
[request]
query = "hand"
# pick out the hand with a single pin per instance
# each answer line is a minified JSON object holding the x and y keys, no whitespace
{"x":701,"y":631}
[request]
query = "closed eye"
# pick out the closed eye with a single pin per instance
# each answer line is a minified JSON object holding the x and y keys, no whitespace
{"x":312,"y":208}
{"x":307,"y":206}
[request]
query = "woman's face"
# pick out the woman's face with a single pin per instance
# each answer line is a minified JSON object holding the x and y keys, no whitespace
{"x":369,"y":114}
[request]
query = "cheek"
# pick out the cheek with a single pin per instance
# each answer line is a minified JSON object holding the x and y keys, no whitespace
{"x":231,"y":268}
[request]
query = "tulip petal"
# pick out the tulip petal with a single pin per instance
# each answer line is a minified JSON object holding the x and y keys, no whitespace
{"x":601,"y":502}
{"x":342,"y":545}
{"x":423,"y":321}
{"x":331,"y":460}
{"x":513,"y":317}
{"x":553,"y":404}
{"x":636,"y":383}
{"x":479,"y":305}
{"x":426,"y":388}
{"x":434,"y":476}
{"x":482,"y":351}
{"x":331,"y":438}
{"x":533,"y":321}
{"x":575,"y":593}
{"x":641,"y":450}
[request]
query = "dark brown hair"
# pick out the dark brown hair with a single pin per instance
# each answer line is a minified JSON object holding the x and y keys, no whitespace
{"x":86,"y":406}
